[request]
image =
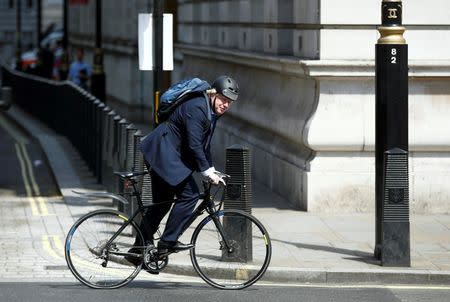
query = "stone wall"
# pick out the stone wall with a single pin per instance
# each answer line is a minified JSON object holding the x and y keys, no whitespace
{"x":308,"y":107}
{"x":306,"y":72}
{"x":128,"y":89}
{"x":8,"y":28}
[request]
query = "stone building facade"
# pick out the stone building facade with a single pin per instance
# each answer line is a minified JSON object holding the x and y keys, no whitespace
{"x":307,"y":104}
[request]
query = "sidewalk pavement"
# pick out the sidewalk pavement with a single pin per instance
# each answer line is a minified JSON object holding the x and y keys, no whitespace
{"x":307,"y":247}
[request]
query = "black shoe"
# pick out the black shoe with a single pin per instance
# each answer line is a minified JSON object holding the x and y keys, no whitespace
{"x":135,"y":259}
{"x":166,"y":246}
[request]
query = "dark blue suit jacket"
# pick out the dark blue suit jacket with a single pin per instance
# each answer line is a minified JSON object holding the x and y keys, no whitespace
{"x":180,"y":145}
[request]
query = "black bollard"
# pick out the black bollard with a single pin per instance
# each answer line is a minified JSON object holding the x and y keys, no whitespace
{"x":392,"y":238}
{"x":395,"y":249}
{"x":238,"y":195}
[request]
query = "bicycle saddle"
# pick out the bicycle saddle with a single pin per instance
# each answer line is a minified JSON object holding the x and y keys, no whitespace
{"x":129,"y":175}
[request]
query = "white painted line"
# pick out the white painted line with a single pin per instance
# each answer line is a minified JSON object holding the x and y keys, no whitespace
{"x":34,"y":208}
{"x":424,"y":287}
{"x":41,"y":201}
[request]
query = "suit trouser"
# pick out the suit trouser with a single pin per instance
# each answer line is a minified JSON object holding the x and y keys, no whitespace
{"x":187,"y":194}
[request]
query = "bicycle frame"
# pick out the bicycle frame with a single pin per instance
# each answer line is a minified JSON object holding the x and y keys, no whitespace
{"x":204,"y":205}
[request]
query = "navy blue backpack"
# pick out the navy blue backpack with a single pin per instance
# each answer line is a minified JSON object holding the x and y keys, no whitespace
{"x":179,"y":93}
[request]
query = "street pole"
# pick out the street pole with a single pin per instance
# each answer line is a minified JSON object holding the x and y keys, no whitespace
{"x":64,"y":68}
{"x":392,"y":238}
{"x":98,"y":80}
{"x":158,"y":51}
{"x":18,"y":35}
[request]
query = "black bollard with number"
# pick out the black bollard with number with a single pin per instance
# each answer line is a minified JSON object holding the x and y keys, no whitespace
{"x":392,"y":244}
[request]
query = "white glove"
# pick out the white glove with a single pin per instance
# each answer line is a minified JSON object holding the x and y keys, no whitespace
{"x":212,"y":177}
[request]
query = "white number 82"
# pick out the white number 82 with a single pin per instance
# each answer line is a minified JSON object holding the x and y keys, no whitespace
{"x":393,"y":59}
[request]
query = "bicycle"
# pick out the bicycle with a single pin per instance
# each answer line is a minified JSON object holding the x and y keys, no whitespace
{"x":232,"y":249}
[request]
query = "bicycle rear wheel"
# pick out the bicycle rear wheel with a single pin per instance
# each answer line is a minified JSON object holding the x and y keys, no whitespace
{"x":240,"y":266}
{"x":87,"y":256}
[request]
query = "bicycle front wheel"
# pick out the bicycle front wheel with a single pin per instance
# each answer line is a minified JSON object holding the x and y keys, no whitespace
{"x":91,"y":260}
{"x":234,"y":261}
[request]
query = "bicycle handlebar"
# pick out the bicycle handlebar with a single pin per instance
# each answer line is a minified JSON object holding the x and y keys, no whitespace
{"x":223,"y":175}
{"x":207,"y":185}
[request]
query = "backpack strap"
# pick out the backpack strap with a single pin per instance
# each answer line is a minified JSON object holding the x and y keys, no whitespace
{"x":208,"y":106}
{"x":187,"y":97}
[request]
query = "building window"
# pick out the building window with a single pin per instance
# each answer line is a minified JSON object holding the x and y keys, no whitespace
{"x":11,"y":3}
{"x":29,"y":3}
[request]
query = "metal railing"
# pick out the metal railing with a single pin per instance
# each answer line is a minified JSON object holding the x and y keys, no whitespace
{"x":106,"y":141}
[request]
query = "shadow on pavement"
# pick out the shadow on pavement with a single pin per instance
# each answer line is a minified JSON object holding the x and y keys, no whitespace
{"x":365,"y":257}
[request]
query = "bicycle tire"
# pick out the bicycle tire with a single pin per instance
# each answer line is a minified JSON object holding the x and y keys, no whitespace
{"x":83,"y":249}
{"x":249,"y":259}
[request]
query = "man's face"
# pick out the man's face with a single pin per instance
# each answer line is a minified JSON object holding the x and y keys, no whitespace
{"x":221,"y":104}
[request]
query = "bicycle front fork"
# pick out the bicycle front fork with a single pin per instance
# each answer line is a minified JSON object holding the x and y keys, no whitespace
{"x":219,"y":227}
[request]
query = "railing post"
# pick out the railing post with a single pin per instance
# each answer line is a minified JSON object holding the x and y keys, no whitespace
{"x":94,"y":135}
{"x":109,"y":177}
{"x":105,"y":137}
{"x":115,"y":148}
{"x":84,"y":126}
{"x":121,"y":152}
{"x":99,"y":139}
{"x":128,"y":164}
{"x":138,"y":166}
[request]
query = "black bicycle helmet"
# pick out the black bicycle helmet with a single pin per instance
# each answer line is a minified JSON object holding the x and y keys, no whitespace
{"x":227,"y":87}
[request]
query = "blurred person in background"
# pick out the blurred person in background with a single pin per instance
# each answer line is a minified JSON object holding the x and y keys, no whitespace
{"x":80,"y":71}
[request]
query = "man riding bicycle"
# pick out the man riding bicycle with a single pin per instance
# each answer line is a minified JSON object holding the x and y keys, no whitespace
{"x":173,"y":151}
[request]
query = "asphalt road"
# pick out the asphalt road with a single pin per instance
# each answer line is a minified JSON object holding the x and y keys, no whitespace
{"x":24,"y":170}
{"x":177,"y":291}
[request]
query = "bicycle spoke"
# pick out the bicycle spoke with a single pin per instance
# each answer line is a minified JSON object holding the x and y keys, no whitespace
{"x":87,"y":257}
{"x":241,"y":265}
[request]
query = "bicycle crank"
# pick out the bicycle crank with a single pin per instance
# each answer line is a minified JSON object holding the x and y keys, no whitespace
{"x":154,"y":262}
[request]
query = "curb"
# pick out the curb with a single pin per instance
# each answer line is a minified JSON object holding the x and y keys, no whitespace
{"x":334,"y":277}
